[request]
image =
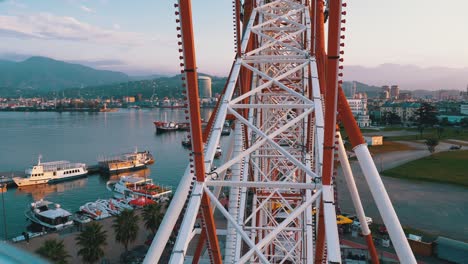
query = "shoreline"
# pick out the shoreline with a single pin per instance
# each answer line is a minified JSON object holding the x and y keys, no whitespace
{"x":112,"y":251}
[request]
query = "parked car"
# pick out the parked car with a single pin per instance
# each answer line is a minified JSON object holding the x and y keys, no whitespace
{"x":356,"y":222}
{"x":455,"y":147}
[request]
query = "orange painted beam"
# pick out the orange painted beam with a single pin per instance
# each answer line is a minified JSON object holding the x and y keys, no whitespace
{"x":347,"y":118}
{"x":190,"y":70}
{"x":331,"y":95}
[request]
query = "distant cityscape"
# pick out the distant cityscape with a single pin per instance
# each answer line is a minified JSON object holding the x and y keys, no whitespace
{"x":207,"y":100}
{"x":388,"y":106}
{"x":452,"y":106}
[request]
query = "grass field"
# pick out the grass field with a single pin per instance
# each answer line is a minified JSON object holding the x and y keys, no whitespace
{"x":446,"y":133}
{"x":445,"y":167}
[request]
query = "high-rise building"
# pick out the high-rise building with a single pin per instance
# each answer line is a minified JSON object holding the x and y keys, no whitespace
{"x":204,"y":86}
{"x":394,"y":92}
{"x":386,"y":88}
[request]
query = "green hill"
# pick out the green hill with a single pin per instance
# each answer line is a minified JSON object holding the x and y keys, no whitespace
{"x":162,"y":87}
{"x":45,"y":74}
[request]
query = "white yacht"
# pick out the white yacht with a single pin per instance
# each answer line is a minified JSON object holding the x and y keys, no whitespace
{"x":49,"y":172}
{"x":49,"y":215}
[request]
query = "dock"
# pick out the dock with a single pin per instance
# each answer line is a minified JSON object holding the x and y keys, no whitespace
{"x":7,"y":177}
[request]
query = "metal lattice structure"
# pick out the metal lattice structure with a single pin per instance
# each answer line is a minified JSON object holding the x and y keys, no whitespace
{"x":277,"y":175}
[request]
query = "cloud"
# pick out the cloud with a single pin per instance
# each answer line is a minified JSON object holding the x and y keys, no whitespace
{"x":87,"y":9}
{"x":116,"y":26}
{"x":51,"y":27}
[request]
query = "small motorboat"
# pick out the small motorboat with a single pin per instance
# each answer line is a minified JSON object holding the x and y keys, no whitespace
{"x":218,"y":152}
{"x":186,"y":142}
{"x":121,"y":204}
{"x":95,"y":210}
{"x":81,"y":217}
{"x":109,"y":206}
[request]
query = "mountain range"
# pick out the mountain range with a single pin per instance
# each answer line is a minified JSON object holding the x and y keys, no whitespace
{"x":39,"y":76}
{"x":45,"y":74}
{"x":409,"y":77}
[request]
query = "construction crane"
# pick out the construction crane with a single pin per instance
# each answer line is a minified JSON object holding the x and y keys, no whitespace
{"x":284,"y":97}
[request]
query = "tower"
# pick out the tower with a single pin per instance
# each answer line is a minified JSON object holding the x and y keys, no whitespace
{"x":204,"y":86}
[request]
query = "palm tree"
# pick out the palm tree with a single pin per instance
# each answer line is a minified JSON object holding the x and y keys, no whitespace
{"x":431,"y":143}
{"x":152,"y":216}
{"x":126,"y":227}
{"x":54,"y":251}
{"x":91,"y":240}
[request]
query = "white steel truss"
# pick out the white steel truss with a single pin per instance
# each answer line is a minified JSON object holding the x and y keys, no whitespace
{"x":273,"y":181}
{"x":271,"y":174}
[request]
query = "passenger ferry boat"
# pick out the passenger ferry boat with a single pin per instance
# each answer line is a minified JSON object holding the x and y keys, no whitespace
{"x":49,"y":172}
{"x":49,"y":215}
{"x":130,"y":186}
{"x":127,"y":161}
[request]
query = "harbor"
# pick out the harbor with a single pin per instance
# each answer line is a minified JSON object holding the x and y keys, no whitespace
{"x":82,"y":137}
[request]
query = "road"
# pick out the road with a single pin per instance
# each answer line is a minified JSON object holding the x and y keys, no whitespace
{"x":436,"y":208}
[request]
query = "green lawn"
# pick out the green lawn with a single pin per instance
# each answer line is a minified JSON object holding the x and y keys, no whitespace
{"x":446,"y":133}
{"x":445,"y":167}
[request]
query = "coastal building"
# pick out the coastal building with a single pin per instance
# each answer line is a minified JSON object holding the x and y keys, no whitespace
{"x":464,"y":109}
{"x":374,"y":140}
{"x":405,"y":96}
{"x":204,"y":86}
{"x":394,"y":92}
{"x":385,"y":95}
{"x":405,"y":110}
{"x":359,"y":109}
{"x":128,"y":99}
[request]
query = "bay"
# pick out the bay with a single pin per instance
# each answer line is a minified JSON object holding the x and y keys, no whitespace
{"x":83,"y":137}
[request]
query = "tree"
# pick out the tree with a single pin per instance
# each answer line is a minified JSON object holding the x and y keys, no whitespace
{"x":54,"y":251}
{"x":426,"y":116}
{"x":126,"y":227}
{"x":91,"y":240}
{"x":464,"y":122}
{"x":152,"y":217}
{"x":431,"y":143}
{"x":391,"y":118}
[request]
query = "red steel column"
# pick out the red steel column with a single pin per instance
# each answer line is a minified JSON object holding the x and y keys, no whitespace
{"x":190,"y":69}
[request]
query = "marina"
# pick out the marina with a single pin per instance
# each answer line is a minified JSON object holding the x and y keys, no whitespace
{"x":82,"y":137}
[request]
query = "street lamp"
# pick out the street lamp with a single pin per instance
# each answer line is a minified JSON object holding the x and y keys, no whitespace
{"x":2,"y":190}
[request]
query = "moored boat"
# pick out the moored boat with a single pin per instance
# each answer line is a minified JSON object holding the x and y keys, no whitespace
{"x":109,"y":206}
{"x":130,"y":186}
{"x":49,"y":215}
{"x":124,"y":162}
{"x":165,"y":126}
{"x":50,"y":172}
{"x":218,"y":152}
{"x":186,"y":142}
{"x":95,"y":210}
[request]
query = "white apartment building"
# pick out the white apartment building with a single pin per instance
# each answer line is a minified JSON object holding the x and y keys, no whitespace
{"x":359,"y":109}
{"x":464,"y":109}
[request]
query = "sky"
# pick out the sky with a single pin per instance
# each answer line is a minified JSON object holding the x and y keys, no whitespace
{"x":139,"y":37}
